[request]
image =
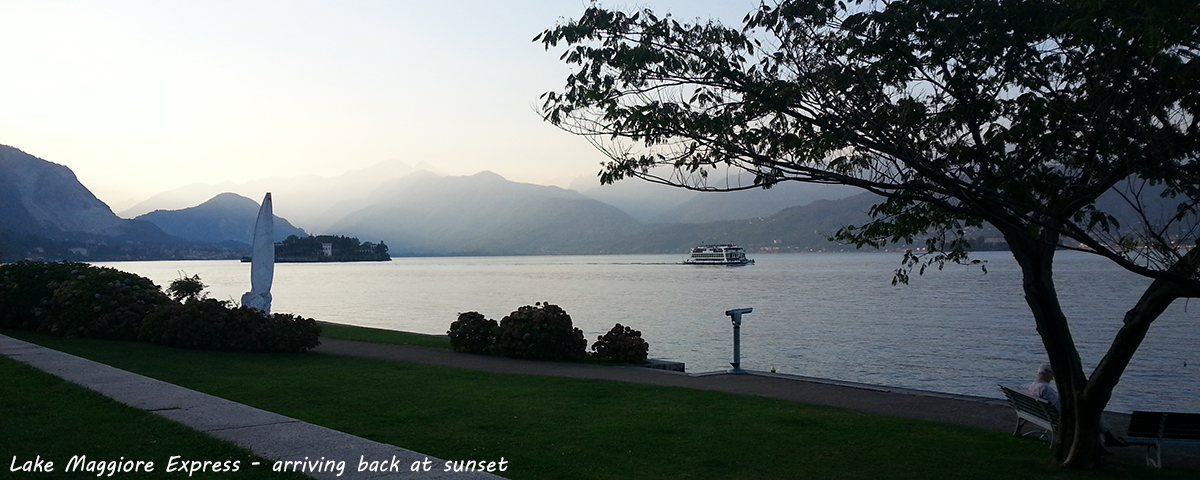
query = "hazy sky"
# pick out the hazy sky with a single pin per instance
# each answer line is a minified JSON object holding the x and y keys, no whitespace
{"x":139,"y":97}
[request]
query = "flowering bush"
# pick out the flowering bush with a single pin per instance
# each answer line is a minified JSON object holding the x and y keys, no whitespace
{"x":26,"y":289}
{"x":622,"y":344}
{"x":76,"y":299}
{"x":472,"y":333}
{"x":540,"y":332}
{"x":81,"y":300}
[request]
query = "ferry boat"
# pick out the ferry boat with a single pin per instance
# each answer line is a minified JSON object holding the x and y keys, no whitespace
{"x":724,"y":254}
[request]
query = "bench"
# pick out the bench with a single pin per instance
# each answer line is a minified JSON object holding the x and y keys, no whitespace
{"x":1153,"y":429}
{"x":1034,"y":411}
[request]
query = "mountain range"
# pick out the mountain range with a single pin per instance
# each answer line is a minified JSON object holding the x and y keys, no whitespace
{"x":484,"y":214}
{"x":46,"y":213}
{"x":309,"y":200}
{"x":653,"y":203}
{"x":416,"y":212}
{"x":46,"y":199}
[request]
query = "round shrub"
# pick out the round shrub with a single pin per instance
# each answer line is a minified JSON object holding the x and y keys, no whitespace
{"x":102,"y":303}
{"x":622,"y":344}
{"x":472,"y":333}
{"x":540,"y":332}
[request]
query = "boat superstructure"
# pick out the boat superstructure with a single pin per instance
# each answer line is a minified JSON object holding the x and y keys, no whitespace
{"x":723,"y":254}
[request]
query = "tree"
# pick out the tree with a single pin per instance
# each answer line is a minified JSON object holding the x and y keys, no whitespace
{"x":1017,"y":114}
{"x":186,"y":288}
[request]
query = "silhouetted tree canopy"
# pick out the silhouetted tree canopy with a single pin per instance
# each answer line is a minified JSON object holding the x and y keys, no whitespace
{"x":1037,"y":117}
{"x":186,"y":288}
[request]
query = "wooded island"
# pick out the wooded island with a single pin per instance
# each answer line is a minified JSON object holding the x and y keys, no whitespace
{"x":329,"y":248}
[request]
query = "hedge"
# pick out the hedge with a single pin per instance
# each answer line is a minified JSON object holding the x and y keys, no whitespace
{"x":81,"y":300}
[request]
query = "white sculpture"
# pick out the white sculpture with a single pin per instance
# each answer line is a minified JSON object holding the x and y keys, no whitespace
{"x":262,"y":260}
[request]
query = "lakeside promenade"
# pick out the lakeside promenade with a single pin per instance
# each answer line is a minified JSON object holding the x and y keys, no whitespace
{"x":275,"y":436}
{"x":981,"y":412}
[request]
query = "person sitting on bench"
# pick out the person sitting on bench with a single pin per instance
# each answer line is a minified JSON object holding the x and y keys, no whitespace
{"x":1041,"y":388}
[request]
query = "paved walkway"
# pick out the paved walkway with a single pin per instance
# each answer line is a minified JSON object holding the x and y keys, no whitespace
{"x":267,"y":434}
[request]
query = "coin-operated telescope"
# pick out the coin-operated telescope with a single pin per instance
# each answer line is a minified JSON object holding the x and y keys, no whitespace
{"x":735,"y":316}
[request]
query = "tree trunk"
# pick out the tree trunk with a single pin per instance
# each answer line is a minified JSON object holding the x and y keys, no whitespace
{"x":1036,"y":258}
{"x":1083,"y":399}
{"x":1154,"y":301}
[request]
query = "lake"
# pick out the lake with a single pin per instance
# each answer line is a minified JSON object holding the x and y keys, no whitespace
{"x":836,"y":316}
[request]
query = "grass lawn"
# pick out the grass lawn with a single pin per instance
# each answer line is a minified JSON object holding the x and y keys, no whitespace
{"x":378,"y":335}
{"x":392,"y":337}
{"x":43,"y":417}
{"x":548,"y":427}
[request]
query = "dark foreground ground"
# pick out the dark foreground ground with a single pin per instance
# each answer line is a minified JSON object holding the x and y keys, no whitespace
{"x":987,"y":413}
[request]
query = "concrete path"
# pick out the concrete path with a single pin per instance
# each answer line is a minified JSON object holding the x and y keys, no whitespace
{"x":267,"y":434}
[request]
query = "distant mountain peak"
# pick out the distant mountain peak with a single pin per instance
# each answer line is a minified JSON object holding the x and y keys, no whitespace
{"x":226,"y":217}
{"x":229,"y":199}
{"x":40,"y":197}
{"x":227,"y":196}
{"x":488,"y":175}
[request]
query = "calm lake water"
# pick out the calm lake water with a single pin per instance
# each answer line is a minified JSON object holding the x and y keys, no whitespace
{"x":835,"y":316}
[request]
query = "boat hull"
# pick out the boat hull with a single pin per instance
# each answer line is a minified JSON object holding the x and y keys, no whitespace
{"x":720,"y":263}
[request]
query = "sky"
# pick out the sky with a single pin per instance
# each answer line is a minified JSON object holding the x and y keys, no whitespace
{"x":140,"y":97}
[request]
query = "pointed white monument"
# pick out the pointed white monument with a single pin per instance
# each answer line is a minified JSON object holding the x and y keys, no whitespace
{"x":262,"y":259}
